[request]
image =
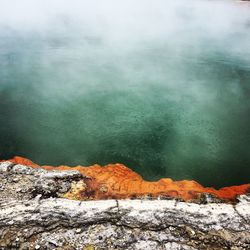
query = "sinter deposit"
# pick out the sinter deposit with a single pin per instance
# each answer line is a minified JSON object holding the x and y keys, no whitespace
{"x":35,"y":214}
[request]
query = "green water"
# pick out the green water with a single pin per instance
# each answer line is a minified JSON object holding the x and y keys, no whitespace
{"x":160,"y":86}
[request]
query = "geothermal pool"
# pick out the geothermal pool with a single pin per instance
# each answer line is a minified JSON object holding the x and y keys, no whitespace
{"x":160,"y":86}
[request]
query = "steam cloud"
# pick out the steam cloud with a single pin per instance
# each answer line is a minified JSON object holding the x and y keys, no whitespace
{"x":161,"y":86}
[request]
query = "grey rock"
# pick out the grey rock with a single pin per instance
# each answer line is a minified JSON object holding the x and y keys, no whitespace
{"x":129,"y":224}
{"x":32,"y":211}
{"x":20,"y":169}
{"x":5,"y":166}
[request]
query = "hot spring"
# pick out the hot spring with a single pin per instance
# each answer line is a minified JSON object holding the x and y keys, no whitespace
{"x":160,"y":86}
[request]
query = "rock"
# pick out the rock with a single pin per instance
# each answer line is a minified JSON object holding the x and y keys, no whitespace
{"x":119,"y":182}
{"x":36,"y":214}
{"x":23,"y":182}
{"x":5,"y":166}
{"x":126,"y":224}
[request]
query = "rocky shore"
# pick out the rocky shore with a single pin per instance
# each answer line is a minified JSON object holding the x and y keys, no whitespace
{"x":116,"y":181}
{"x":36,"y":213}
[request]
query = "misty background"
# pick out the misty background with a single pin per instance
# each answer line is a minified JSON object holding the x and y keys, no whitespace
{"x":161,"y":86}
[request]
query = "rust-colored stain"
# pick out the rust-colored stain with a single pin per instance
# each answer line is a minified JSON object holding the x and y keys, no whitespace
{"x":118,"y":182}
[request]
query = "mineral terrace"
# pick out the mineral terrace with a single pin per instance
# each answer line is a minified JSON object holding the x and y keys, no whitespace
{"x":67,"y":209}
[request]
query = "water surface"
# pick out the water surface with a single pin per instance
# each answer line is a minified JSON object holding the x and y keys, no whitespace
{"x":161,"y":86}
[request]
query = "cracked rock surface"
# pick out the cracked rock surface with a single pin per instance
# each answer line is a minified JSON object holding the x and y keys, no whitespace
{"x":35,"y":215}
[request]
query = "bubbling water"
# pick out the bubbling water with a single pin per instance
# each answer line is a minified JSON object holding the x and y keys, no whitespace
{"x":160,"y":86}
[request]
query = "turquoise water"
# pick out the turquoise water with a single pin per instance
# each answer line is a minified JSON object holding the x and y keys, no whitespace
{"x":161,"y":86}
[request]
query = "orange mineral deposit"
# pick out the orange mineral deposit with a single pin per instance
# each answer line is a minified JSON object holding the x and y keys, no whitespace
{"x":116,"y":181}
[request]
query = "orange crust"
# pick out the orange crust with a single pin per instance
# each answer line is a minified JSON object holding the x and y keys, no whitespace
{"x":118,"y":182}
